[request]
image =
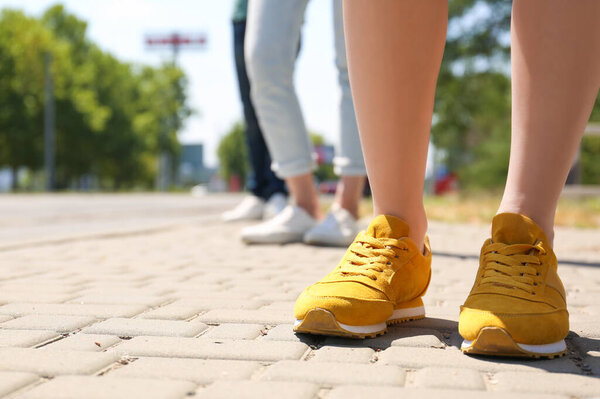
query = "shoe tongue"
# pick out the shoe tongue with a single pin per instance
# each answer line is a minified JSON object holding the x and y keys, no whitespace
{"x":385,"y":226}
{"x":512,"y":228}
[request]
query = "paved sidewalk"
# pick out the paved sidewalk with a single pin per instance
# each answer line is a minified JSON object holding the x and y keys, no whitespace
{"x":151,"y":296}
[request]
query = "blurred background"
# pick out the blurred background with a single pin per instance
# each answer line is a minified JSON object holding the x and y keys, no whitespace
{"x":141,"y":95}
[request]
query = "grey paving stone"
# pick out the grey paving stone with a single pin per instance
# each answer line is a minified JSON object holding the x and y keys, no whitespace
{"x":76,"y":387}
{"x":424,"y":357}
{"x":84,"y":342}
{"x":207,"y":349}
{"x":397,"y":336}
{"x":137,"y":327}
{"x":175,"y":274}
{"x":68,"y":309}
{"x":586,"y":328}
{"x":259,"y":316}
{"x":450,"y":378}
{"x":61,"y":324}
{"x":147,"y":300}
{"x":547,"y":383}
{"x":171,"y":312}
{"x":341,"y":354}
{"x":199,"y":371}
{"x":258,"y":389}
{"x":331,"y":374}
{"x":285,"y":332}
{"x":212,"y":302}
{"x":235,"y":331}
{"x":11,"y":381}
{"x":50,"y":363}
{"x":25,"y":338}
{"x":361,"y":392}
{"x":33,"y":297}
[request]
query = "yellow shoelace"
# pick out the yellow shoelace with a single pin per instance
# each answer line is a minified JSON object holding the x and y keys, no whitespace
{"x":512,"y":266}
{"x":370,"y":256}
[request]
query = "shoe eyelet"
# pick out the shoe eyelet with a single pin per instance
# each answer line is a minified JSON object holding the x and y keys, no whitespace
{"x":535,"y":284}
{"x":396,"y":256}
{"x":389,"y":263}
{"x":533,"y":293}
{"x":522,"y":274}
{"x":537,"y":274}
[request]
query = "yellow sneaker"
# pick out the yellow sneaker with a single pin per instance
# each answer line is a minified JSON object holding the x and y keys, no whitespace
{"x":517,"y":305}
{"x":379,"y":281}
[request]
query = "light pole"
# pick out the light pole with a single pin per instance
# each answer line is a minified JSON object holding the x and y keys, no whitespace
{"x":175,"y":42}
{"x":49,"y":123}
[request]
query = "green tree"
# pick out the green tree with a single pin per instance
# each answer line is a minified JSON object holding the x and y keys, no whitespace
{"x":112,"y":118}
{"x":23,"y":43}
{"x":232,"y":153}
{"x":472,"y":111}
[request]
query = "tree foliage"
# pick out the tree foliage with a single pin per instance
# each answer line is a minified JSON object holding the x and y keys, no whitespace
{"x":472,"y":111}
{"x":233,"y":154}
{"x":112,"y":118}
{"x":472,"y":114}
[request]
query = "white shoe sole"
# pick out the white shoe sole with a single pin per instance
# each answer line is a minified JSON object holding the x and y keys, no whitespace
{"x":496,"y":341}
{"x":322,"y":322}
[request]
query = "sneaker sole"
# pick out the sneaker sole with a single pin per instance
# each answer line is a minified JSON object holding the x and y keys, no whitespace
{"x":322,"y":322}
{"x":496,"y":341}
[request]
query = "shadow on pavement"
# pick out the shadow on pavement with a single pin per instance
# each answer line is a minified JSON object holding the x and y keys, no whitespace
{"x":441,"y":334}
{"x":560,"y":261}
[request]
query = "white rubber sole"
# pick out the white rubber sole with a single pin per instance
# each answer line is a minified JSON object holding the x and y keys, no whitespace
{"x":399,"y":314}
{"x":545,"y":349}
{"x":496,"y":341}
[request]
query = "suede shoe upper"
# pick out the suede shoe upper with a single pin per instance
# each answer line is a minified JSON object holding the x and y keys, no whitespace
{"x":517,"y":287}
{"x":381,"y":270}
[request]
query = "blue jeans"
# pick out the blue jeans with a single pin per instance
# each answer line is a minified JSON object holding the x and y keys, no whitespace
{"x":262,"y":181}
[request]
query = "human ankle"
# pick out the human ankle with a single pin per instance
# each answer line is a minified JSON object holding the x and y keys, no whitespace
{"x":416,"y":220}
{"x":311,"y":208}
{"x":546,"y":222}
{"x":350,"y":208}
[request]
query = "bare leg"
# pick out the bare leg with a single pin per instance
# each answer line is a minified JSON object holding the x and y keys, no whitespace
{"x":555,"y":80}
{"x":394,"y":51}
{"x":348,"y":195}
{"x":302,"y":188}
{"x":349,"y":192}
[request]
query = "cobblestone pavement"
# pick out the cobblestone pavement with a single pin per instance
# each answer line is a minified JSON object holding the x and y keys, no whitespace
{"x":151,"y":296}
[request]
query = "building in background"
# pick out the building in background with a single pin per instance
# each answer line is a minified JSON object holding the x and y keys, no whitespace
{"x":191,"y":169}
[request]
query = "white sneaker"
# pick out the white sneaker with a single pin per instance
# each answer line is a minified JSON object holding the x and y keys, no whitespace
{"x":251,"y":208}
{"x":274,"y":205}
{"x":339,"y":228}
{"x":287,"y":226}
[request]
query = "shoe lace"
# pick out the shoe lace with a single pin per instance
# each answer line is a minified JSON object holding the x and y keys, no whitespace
{"x":512,"y":266}
{"x":369,"y":256}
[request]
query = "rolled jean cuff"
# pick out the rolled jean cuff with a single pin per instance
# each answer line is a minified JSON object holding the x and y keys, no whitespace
{"x":347,"y":167}
{"x":298,"y":167}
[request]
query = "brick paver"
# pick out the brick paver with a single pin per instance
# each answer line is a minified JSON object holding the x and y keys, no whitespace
{"x":11,"y":381}
{"x":108,"y":387}
{"x":152,"y":296}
